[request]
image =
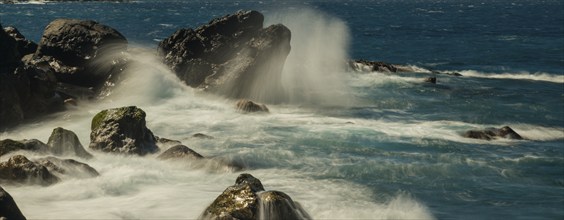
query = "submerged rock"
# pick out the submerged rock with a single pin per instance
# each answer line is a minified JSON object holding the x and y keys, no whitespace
{"x":122,"y":130}
{"x":228,"y":54}
{"x":81,"y":52}
{"x":432,"y":80}
{"x":8,"y":208}
{"x":65,"y":142}
{"x":9,"y":145}
{"x":202,"y":136}
{"x":68,"y":167}
{"x":249,"y":106}
{"x":19,"y":169}
{"x":493,"y":133}
{"x":179,"y":152}
{"x":247,"y":200}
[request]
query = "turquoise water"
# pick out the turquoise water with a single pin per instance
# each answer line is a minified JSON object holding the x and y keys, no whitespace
{"x":394,"y":152}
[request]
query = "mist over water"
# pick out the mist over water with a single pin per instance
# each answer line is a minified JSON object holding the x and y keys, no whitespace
{"x":397,"y":154}
{"x":314,"y":70}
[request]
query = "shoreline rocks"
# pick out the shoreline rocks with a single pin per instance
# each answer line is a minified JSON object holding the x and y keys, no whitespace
{"x":228,"y":54}
{"x":250,"y":107}
{"x":248,"y":200}
{"x":8,"y":208}
{"x":65,"y":142}
{"x":122,"y":130}
{"x":19,"y":169}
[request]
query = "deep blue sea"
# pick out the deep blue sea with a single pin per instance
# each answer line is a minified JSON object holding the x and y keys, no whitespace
{"x":348,"y":145}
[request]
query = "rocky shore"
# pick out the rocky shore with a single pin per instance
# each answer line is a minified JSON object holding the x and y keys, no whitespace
{"x":81,"y":61}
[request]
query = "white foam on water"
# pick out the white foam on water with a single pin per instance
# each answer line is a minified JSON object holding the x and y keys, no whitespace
{"x":538,"y":76}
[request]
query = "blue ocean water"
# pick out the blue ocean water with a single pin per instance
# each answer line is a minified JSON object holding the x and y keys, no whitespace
{"x":403,"y":136}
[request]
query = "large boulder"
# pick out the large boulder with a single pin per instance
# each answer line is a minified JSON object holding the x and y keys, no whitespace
{"x":68,"y":167}
{"x":9,"y":145}
{"x":122,"y":130}
{"x":19,"y":169}
{"x":82,"y":52}
{"x":8,"y":208}
{"x":65,"y":142}
{"x":493,"y":133}
{"x":247,"y":200}
{"x":228,"y":54}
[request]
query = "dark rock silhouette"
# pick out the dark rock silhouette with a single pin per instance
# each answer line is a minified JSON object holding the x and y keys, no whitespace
{"x":247,"y":200}
{"x":228,"y":54}
{"x":8,"y":208}
{"x":9,"y":145}
{"x":23,"y":45}
{"x":19,"y":169}
{"x":493,"y":133}
{"x":122,"y":130}
{"x":249,"y":106}
{"x":65,"y":142}
{"x":81,"y":52}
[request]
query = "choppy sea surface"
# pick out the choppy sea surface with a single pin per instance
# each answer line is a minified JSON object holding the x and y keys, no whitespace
{"x":347,"y":145}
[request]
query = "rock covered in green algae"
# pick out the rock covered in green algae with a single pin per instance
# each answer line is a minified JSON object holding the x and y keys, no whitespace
{"x":122,"y":130}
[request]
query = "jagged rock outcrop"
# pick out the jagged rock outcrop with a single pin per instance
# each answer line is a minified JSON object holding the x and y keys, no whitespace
{"x":65,"y":142}
{"x":179,"y":152}
{"x":8,"y":208}
{"x":9,"y":145}
{"x":122,"y":130}
{"x":19,"y":169}
{"x":249,"y":106}
{"x":68,"y":167}
{"x":81,"y":52}
{"x":247,"y":200}
{"x":228,"y":54}
{"x":23,"y":45}
{"x":493,"y":133}
{"x":371,"y":66}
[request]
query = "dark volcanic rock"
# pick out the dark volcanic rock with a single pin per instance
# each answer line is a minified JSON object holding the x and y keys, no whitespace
{"x":8,"y":51}
{"x":8,"y":208}
{"x":65,"y":142}
{"x":68,"y":167}
{"x":372,"y":66}
{"x":8,"y":145}
{"x":82,"y":52}
{"x":18,"y":169}
{"x":493,"y":133}
{"x":24,"y":46}
{"x":250,"y":106}
{"x":227,"y":55}
{"x":122,"y":130}
{"x":179,"y":152}
{"x":247,"y":200}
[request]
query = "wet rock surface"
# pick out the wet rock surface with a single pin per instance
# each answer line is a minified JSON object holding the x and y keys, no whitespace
{"x":226,"y":55}
{"x":179,"y":152}
{"x":493,"y":133}
{"x":250,"y":106}
{"x":122,"y":130}
{"x":248,"y":200}
{"x":19,"y":169}
{"x":65,"y":142}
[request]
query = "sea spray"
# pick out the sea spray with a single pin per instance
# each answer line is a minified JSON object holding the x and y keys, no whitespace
{"x":314,"y":70}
